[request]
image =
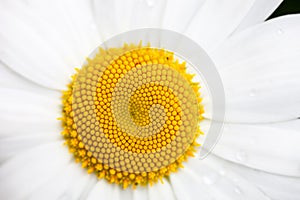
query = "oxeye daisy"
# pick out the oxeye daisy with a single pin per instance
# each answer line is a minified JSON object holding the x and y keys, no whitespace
{"x":92,"y":110}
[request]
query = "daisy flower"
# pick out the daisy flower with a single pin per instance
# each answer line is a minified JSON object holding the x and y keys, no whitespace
{"x":42,"y":42}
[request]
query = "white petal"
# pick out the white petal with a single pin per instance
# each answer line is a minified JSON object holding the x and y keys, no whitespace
{"x":147,"y":13}
{"x":25,"y":173}
{"x":107,"y":14}
{"x":259,"y":12}
{"x":272,"y":148}
{"x":75,"y":33}
{"x":204,"y":179}
{"x":27,"y":119}
{"x":105,"y":190}
{"x":55,"y":37}
{"x":161,"y":191}
{"x":117,"y":16}
{"x":275,"y":186}
{"x":102,"y":190}
{"x":43,"y":46}
{"x":28,"y":54}
{"x":11,"y":146}
{"x":9,"y":79}
{"x":260,"y":72}
{"x":140,"y":193}
{"x":179,"y":14}
{"x":24,"y":112}
{"x":186,"y":185}
{"x":216,"y":20}
{"x":71,"y":183}
{"x":121,"y":194}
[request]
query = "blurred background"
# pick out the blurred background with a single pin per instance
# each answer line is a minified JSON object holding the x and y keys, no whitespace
{"x":287,"y":7}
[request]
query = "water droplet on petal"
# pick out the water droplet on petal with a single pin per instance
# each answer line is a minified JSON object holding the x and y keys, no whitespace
{"x":241,"y":156}
{"x":210,"y":179}
{"x":222,"y":172}
{"x":92,"y":25}
{"x":237,"y":190}
{"x":253,"y":93}
{"x":150,"y":3}
{"x":280,"y":31}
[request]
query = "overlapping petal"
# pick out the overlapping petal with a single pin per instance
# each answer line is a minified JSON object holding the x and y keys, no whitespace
{"x":260,"y":72}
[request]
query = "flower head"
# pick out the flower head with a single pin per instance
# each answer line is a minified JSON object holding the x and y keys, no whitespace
{"x":42,"y":42}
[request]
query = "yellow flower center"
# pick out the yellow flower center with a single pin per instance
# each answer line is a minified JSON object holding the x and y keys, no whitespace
{"x":131,"y":115}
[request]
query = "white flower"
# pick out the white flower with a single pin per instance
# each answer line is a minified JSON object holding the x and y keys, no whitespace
{"x":41,"y":42}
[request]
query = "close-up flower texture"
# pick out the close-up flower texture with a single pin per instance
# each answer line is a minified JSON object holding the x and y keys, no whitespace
{"x":86,"y":113}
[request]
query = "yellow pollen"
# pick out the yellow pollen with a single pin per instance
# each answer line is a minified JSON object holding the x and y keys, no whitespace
{"x":131,"y":115}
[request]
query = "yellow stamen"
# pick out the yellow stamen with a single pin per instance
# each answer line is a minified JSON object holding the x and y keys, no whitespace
{"x":131,"y":115}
